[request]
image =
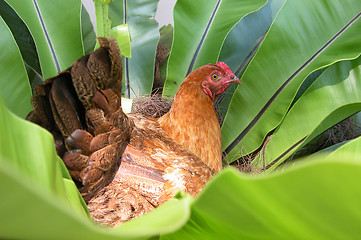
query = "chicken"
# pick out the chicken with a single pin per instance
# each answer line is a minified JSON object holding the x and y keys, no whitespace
{"x":128,"y":164}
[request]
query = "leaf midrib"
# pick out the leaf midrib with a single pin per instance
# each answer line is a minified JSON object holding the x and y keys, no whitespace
{"x":195,"y":55}
{"x":274,"y":96}
{"x":46,"y":34}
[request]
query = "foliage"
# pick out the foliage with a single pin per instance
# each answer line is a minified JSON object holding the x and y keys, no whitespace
{"x":272,"y":46}
{"x":299,"y":44}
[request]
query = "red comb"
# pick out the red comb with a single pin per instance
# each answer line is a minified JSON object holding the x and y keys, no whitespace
{"x":225,"y":68}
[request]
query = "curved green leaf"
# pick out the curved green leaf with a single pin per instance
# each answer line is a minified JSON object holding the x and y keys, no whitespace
{"x":122,"y":35}
{"x":334,"y":96}
{"x":243,"y":37}
{"x":105,"y":29}
{"x":144,"y":34}
{"x":25,"y":43}
{"x":166,"y":36}
{"x":39,"y":200}
{"x":139,"y":69}
{"x":307,"y":83}
{"x":297,"y":44}
{"x":165,"y":219}
{"x":298,"y":203}
{"x":29,"y":150}
{"x":165,"y":41}
{"x":28,"y":213}
{"x":351,"y":147}
{"x":55,"y":27}
{"x":22,"y":36}
{"x":242,"y":43}
{"x":14,"y":82}
{"x":88,"y":33}
{"x":116,"y":12}
{"x":199,"y":33}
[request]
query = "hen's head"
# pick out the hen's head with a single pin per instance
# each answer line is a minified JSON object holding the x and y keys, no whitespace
{"x":215,"y":79}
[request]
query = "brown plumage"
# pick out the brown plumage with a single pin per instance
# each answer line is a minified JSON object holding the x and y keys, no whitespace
{"x":126,"y":165}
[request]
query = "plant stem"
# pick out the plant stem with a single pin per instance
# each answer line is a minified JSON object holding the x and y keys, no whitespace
{"x":101,"y":15}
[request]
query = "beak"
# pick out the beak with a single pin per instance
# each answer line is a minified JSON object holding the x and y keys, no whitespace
{"x":233,"y":80}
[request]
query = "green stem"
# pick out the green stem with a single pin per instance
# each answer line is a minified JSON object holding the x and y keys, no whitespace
{"x":101,"y":15}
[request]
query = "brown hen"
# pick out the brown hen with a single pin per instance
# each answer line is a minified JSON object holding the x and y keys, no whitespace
{"x":126,"y":165}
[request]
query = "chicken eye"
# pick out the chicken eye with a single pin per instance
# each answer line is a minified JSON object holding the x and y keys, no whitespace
{"x":214,"y":76}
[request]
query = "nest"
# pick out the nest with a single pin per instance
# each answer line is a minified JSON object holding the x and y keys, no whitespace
{"x":152,"y":106}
